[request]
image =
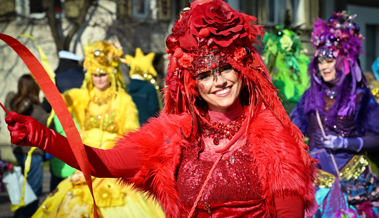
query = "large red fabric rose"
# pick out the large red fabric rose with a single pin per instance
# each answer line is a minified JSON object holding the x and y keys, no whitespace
{"x":188,"y":41}
{"x":186,"y":60}
{"x":223,"y":23}
{"x":180,"y":35}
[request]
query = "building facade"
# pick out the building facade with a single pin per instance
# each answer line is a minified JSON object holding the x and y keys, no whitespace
{"x":146,"y":23}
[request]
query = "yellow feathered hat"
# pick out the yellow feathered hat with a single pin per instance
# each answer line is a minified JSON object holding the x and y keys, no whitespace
{"x":103,"y":57}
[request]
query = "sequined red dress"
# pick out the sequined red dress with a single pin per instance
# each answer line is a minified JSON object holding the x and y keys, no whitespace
{"x":263,"y":174}
{"x":233,"y":184}
{"x":234,"y":179}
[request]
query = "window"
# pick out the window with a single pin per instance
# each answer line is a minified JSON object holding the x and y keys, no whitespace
{"x":30,"y":9}
{"x":7,"y":10}
{"x":164,"y":10}
{"x":35,"y":6}
{"x":235,"y":4}
{"x":272,"y":12}
{"x":140,"y":9}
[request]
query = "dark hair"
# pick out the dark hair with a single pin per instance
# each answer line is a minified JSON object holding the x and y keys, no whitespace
{"x":27,"y":91}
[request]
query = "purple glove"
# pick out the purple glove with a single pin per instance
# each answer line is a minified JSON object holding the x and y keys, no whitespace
{"x":337,"y":142}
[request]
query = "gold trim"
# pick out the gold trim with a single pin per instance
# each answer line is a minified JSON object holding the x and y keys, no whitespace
{"x":351,"y":170}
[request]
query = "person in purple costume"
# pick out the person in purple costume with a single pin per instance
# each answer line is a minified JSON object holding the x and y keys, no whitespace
{"x":340,"y":116}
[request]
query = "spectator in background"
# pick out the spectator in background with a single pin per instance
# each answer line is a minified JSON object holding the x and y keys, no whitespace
{"x":69,"y":74}
{"x":143,"y":85}
{"x":26,"y":101}
{"x":4,"y":166}
{"x":374,"y":82}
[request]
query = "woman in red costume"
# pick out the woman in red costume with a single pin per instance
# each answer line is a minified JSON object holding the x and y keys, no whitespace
{"x":223,"y":145}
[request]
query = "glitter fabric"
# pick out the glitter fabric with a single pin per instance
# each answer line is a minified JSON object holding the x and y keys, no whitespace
{"x":209,"y":61}
{"x":234,"y":178}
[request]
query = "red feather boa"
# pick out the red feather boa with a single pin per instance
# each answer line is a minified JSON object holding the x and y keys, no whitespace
{"x":285,"y":169}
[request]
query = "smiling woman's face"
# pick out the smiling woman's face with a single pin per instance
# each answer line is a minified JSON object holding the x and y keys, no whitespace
{"x":327,"y":68}
{"x":101,"y":81}
{"x":219,"y":90}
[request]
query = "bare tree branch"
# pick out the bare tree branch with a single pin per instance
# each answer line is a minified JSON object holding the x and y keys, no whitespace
{"x":77,"y":24}
{"x":61,"y":40}
{"x":54,"y":23}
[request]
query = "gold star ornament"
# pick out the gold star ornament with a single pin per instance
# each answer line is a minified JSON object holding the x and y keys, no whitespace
{"x":141,"y":64}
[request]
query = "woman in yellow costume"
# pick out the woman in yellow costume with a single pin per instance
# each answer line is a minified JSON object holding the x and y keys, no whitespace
{"x":103,"y":111}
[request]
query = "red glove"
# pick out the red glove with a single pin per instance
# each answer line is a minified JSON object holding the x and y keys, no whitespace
{"x":27,"y":131}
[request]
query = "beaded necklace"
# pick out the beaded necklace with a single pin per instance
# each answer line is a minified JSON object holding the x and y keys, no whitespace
{"x":330,"y":93}
{"x":219,"y":131}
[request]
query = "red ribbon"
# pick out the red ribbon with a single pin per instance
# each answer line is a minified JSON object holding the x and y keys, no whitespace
{"x":56,"y":101}
{"x":5,"y":110}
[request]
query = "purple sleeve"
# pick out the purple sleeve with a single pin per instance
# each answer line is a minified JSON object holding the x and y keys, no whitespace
{"x":299,"y":118}
{"x":370,"y":142}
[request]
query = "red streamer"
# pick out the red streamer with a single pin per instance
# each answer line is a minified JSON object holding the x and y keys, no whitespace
{"x":6,"y":111}
{"x":56,"y":101}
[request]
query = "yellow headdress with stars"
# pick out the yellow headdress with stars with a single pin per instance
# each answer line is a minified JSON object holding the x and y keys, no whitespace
{"x":142,"y":65}
{"x":103,"y":57}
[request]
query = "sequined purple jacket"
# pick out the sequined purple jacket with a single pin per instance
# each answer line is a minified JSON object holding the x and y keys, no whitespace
{"x":364,"y":123}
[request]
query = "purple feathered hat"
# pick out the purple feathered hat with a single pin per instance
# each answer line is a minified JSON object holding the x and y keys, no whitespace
{"x":340,"y":35}
{"x":338,"y":38}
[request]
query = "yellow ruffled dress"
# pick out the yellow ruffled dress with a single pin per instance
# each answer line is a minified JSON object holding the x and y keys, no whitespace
{"x":102,"y":117}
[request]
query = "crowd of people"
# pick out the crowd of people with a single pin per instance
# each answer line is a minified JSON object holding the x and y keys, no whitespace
{"x":226,"y":142}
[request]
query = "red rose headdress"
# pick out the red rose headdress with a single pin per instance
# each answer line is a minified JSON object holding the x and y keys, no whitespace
{"x":211,"y":35}
{"x":208,"y":36}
